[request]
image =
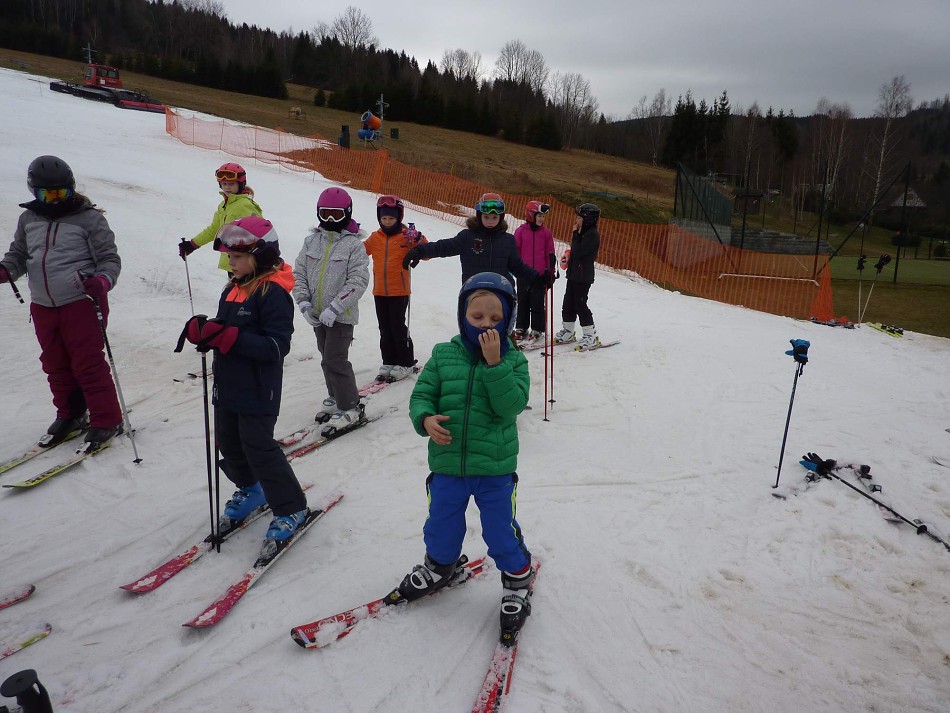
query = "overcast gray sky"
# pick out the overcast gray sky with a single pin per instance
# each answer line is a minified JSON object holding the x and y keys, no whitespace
{"x":783,"y":54}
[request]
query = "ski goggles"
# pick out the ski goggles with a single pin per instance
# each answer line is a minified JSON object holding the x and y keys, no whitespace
{"x":492,"y":207}
{"x":52,"y":195}
{"x":226,"y":174}
{"x":388,"y":202}
{"x":331,"y":215}
{"x":234,"y":238}
{"x":543,"y":209}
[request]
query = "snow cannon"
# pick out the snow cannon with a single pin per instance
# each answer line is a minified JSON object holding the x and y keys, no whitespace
{"x":371,"y":124}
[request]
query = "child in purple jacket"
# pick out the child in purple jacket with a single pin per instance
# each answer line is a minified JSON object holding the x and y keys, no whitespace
{"x":536,"y":247}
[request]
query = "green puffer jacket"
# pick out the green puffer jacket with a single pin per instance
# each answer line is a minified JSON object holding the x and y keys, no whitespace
{"x":482,"y":404}
{"x":234,"y":206}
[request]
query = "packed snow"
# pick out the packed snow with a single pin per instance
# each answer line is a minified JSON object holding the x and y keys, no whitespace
{"x":673,"y":580}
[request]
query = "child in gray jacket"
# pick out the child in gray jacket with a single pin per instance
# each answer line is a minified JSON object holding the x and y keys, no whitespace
{"x":331,"y":274}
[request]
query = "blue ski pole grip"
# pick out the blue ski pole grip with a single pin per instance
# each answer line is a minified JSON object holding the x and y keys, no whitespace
{"x":799,"y":350}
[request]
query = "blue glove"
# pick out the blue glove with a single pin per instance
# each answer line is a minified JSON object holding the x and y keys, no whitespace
{"x":814,"y":463}
{"x":799,"y":350}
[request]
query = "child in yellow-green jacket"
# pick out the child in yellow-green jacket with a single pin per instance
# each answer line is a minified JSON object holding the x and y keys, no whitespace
{"x":238,"y":203}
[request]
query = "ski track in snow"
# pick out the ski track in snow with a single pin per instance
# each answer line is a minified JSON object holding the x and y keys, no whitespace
{"x":673,"y":580}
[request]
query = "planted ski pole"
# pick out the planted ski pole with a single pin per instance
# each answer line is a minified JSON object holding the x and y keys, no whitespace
{"x":17,"y":292}
{"x":200,"y":320}
{"x":861,"y":260}
{"x":118,"y":387}
{"x":191,"y":299}
{"x":798,"y":352}
{"x":879,"y":265}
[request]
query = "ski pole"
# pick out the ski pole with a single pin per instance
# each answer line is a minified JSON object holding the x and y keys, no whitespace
{"x":879,"y":265}
{"x":799,"y":352}
{"x":188,"y":280}
{"x":118,"y":387}
{"x":17,"y":292}
{"x":861,"y":260}
{"x":546,"y":350}
{"x":212,"y":500}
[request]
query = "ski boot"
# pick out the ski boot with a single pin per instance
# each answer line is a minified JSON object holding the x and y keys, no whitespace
{"x":343,"y":421}
{"x":398,"y":373}
{"x":422,"y":580}
{"x":281,"y":529}
{"x":244,"y":502}
{"x":515,"y":604}
{"x":590,"y":338}
{"x":98,"y":438}
{"x":326,"y":413}
{"x":383,"y":374}
{"x":566,"y":334}
{"x":63,"y":429}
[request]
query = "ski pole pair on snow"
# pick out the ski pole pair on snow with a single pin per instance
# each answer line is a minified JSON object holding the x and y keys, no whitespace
{"x":879,"y":265}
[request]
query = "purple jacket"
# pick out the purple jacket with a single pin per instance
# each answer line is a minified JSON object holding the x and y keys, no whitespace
{"x":535,"y":245}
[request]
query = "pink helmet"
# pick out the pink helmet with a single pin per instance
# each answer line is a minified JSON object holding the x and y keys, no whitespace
{"x":231,"y":172}
{"x":532,"y":208}
{"x":334,"y":209}
{"x":251,"y":234}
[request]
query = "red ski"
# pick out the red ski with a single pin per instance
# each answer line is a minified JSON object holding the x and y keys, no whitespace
{"x":16,"y":596}
{"x":333,"y":628}
{"x":220,"y":608}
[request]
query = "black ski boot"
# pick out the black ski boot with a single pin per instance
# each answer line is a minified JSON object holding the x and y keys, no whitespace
{"x":515,"y":604}
{"x":97,"y":438}
{"x":423,"y":579}
{"x":61,"y":429}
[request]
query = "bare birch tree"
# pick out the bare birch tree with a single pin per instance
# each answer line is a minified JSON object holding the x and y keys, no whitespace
{"x":576,"y":106}
{"x":894,"y":103}
{"x":462,"y":64}
{"x":655,"y":115}
{"x":516,"y":63}
{"x":353,"y":28}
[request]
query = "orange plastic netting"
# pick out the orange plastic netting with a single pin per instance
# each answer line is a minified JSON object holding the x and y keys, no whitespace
{"x":671,"y":256}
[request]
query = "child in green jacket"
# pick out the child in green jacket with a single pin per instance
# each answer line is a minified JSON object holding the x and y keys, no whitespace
{"x":238,"y":203}
{"x":467,"y":400}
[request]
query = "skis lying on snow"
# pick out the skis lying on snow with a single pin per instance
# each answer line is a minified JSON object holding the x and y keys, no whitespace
{"x":161,"y":574}
{"x":321,"y":440}
{"x":887,"y":329}
{"x":323,"y":632}
{"x":15,"y":596}
{"x":826,"y":469}
{"x":220,"y":607}
{"x":78,"y":457}
{"x":839,"y":322}
{"x":493,"y":695}
{"x":21,"y":639}
{"x":33,"y":452}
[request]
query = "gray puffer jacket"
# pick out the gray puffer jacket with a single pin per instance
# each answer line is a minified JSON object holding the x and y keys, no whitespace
{"x":52,"y":247}
{"x":332,"y":266}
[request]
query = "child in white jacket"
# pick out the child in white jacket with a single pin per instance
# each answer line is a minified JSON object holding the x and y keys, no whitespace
{"x":330,"y":275}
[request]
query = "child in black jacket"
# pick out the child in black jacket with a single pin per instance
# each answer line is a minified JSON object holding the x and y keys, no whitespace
{"x":585,"y":242}
{"x":250,"y":337}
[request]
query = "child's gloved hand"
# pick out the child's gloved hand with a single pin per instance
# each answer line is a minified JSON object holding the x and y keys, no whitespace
{"x":219,"y":336}
{"x":412,"y":258}
{"x":186,"y":247}
{"x":329,"y":315}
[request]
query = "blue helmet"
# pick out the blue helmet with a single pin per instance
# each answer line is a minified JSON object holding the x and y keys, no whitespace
{"x":492,"y":281}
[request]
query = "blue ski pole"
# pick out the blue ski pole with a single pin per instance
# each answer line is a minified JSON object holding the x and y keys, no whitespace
{"x":799,"y":352}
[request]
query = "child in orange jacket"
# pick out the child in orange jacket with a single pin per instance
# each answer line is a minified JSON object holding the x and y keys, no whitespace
{"x":392,"y":287}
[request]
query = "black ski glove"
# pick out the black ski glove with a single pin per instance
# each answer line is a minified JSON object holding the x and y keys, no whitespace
{"x":412,"y":258}
{"x":813,"y":462}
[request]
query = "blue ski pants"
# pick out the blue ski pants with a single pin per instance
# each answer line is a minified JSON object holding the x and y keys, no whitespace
{"x":495,"y":496}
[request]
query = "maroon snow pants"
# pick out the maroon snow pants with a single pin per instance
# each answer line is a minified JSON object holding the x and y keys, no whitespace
{"x":72,"y":357}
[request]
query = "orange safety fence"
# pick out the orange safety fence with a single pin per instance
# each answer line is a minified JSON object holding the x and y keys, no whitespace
{"x":668,"y":255}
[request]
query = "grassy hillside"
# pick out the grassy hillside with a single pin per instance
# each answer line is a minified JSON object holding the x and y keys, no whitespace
{"x":625,"y":190}
{"x":639,"y":192}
